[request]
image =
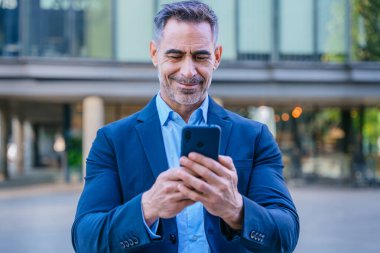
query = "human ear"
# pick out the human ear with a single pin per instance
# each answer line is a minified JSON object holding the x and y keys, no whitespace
{"x":218,"y":56}
{"x":153,"y":52}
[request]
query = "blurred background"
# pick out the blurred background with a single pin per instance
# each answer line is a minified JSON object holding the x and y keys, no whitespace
{"x":309,"y":69}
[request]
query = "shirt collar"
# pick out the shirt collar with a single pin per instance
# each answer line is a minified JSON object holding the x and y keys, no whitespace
{"x":165,"y":113}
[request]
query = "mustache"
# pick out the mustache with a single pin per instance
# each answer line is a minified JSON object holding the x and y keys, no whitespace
{"x":192,"y":80}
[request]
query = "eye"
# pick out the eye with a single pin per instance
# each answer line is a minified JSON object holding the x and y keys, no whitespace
{"x":175,"y":56}
{"x":202,"y":57}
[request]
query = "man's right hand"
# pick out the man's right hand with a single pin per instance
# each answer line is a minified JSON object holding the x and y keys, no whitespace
{"x":163,"y":199}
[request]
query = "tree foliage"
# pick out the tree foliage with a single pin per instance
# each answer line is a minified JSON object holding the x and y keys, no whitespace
{"x":366,"y":29}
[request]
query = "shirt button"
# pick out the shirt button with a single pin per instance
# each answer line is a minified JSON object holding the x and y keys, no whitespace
{"x":173,"y":238}
{"x":194,"y":238}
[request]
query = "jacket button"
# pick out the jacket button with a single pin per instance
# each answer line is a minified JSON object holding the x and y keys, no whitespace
{"x":135,"y":240}
{"x":131,"y":243}
{"x":173,"y":238}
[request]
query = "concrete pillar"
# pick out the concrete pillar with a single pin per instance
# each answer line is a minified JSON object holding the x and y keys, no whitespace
{"x":93,"y":119}
{"x":4,"y":134}
{"x":18,"y":140}
{"x":28,"y":146}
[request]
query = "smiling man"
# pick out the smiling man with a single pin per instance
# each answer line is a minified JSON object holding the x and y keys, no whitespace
{"x":141,"y":196}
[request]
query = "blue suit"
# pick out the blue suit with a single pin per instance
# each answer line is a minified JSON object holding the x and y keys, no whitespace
{"x":128,"y":155}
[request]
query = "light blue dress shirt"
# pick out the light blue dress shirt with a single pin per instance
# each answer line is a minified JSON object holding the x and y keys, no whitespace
{"x":190,"y":223}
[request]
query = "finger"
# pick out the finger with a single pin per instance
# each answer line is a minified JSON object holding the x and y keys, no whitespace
{"x":227,"y":162}
{"x":209,"y":163}
{"x":191,"y":194}
{"x":178,"y":196}
{"x":170,"y":175}
{"x":195,"y":183}
{"x":198,"y":170}
{"x":191,"y":172}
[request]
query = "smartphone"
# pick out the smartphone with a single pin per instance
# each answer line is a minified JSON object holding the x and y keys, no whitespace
{"x":201,"y":139}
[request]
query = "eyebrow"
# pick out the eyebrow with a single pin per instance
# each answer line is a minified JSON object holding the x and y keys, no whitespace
{"x":176,"y":51}
{"x":201,"y":52}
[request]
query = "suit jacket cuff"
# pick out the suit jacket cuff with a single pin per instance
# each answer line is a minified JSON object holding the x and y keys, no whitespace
{"x":152,"y":230}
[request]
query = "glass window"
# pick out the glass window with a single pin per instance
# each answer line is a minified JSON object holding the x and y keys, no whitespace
{"x":9,"y":39}
{"x":225,"y":10}
{"x":366,"y":30}
{"x":331,"y":30}
{"x":63,"y":28}
{"x":296,"y":29}
{"x":255,"y":26}
{"x":134,"y":29}
{"x":97,"y":29}
{"x":47,"y":28}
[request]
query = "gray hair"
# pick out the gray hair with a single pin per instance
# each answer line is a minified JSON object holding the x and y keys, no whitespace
{"x":186,"y":11}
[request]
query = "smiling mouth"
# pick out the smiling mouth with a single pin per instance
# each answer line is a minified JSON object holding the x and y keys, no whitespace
{"x":188,"y":84}
{"x":188,"y":88}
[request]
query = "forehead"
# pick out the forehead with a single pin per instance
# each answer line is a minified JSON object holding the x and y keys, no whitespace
{"x":186,"y":34}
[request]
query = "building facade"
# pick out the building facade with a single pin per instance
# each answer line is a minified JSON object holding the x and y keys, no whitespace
{"x":69,"y":66}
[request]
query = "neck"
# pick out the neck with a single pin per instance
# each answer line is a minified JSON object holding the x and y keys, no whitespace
{"x":184,"y":111}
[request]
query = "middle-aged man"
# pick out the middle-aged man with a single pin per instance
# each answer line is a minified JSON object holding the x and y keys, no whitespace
{"x":141,"y":196}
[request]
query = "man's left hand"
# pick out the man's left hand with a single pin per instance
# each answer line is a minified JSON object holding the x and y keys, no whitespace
{"x":214,"y":184}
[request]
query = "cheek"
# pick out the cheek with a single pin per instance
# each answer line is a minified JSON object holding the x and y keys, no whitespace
{"x":168,"y":69}
{"x":206,"y":72}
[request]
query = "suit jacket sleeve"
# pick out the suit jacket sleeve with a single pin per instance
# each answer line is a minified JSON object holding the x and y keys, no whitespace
{"x":103,"y":222}
{"x":270,"y":222}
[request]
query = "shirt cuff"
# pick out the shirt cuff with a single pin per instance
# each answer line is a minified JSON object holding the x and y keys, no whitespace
{"x":152,"y":230}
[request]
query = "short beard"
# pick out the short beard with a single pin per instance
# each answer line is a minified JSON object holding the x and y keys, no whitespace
{"x":182,"y":96}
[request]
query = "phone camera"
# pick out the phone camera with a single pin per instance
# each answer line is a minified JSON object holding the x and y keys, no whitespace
{"x":187,"y":135}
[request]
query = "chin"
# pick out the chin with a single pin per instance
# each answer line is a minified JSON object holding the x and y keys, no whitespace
{"x":188,"y":100}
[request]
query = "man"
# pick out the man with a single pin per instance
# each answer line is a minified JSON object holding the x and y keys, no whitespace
{"x":141,"y":196}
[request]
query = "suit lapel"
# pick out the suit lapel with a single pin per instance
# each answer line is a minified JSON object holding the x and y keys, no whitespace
{"x":150,"y":134}
{"x":218,"y":116}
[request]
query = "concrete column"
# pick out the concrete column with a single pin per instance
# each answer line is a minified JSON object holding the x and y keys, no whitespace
{"x":18,"y":140}
{"x":28,"y":146}
{"x":93,"y":119}
{"x":4,"y":133}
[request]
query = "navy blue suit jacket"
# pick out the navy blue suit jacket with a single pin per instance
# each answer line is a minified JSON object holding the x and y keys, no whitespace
{"x":128,"y":155}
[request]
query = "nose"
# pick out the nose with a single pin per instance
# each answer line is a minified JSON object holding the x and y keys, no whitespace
{"x":188,"y":69}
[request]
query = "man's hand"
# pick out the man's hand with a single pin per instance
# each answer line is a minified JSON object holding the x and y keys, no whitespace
{"x":164,"y":200}
{"x":214,"y":184}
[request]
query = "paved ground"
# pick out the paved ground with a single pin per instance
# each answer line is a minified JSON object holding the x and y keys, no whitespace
{"x":37,"y":219}
{"x":338,"y":220}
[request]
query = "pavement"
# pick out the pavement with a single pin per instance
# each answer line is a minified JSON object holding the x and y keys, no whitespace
{"x":38,"y":218}
{"x":338,"y":219}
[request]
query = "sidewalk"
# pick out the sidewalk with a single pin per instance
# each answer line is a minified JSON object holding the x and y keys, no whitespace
{"x":29,"y":190}
{"x":36,"y":176}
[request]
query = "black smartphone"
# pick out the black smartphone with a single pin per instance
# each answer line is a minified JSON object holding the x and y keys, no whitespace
{"x":201,"y":139}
